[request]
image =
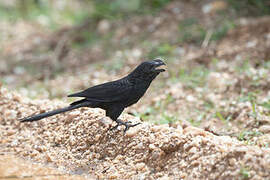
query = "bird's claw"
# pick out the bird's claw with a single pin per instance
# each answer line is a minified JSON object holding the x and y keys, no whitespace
{"x":126,"y":124}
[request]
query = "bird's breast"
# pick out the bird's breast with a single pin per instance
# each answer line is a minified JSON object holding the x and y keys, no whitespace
{"x":137,"y":92}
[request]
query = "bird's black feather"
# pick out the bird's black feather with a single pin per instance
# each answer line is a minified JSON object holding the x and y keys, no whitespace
{"x":113,"y":96}
{"x":107,"y":92}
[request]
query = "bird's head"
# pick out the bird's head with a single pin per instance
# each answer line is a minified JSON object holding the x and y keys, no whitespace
{"x":148,"y":70}
{"x":153,"y":66}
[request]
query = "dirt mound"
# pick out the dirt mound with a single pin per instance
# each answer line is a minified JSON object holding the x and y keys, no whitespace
{"x":80,"y":142}
{"x":12,"y":167}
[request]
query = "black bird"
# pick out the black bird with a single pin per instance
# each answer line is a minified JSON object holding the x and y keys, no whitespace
{"x":113,"y":96}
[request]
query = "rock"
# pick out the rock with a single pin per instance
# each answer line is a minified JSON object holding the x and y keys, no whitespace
{"x":156,"y":128}
{"x":152,"y":147}
{"x":193,"y":150}
{"x":140,"y":166}
{"x":265,"y":129}
{"x":214,"y":7}
{"x":11,"y":132}
{"x":132,"y":131}
{"x":191,"y":98}
{"x":48,"y":158}
{"x":166,"y":177}
{"x":104,"y":26}
{"x":218,"y":81}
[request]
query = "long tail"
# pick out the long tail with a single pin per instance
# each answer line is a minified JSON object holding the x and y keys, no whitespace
{"x":75,"y":105}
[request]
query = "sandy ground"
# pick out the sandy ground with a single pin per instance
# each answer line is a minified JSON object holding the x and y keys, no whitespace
{"x":12,"y":167}
{"x":79,"y":142}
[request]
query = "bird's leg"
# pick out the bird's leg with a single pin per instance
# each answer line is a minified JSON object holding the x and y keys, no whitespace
{"x":119,"y":122}
{"x":126,"y":124}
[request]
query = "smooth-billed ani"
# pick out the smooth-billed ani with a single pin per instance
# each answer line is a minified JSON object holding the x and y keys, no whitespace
{"x":113,"y":96}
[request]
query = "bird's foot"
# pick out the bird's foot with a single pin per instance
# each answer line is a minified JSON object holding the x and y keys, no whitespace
{"x":126,"y":124}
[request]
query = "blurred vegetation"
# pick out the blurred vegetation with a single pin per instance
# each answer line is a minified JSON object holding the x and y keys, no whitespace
{"x":121,"y":8}
{"x":61,"y":14}
{"x":193,"y":78}
{"x":251,"y":7}
{"x":43,"y":12}
{"x":56,"y":15}
{"x":110,"y":9}
{"x":191,"y":31}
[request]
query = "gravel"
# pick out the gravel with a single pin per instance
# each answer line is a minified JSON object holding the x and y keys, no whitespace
{"x":79,"y":142}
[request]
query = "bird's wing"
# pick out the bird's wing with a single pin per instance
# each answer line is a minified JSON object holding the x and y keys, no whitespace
{"x":107,"y":92}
